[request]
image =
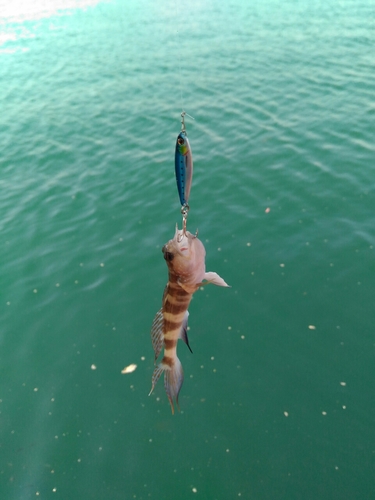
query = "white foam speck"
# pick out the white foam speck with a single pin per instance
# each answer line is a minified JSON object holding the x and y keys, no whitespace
{"x":130,"y":368}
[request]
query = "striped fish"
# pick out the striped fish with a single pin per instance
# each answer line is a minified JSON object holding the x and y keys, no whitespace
{"x":185,"y":257}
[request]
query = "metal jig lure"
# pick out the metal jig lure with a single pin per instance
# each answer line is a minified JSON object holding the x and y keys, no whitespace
{"x":183,"y":164}
{"x":183,"y":169}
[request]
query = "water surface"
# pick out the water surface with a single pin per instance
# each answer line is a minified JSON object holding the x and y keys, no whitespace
{"x":278,"y":396}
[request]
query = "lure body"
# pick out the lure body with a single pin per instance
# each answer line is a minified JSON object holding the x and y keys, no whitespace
{"x":183,"y":167}
{"x":185,"y":257}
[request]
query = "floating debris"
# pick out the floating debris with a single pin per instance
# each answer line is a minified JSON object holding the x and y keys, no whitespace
{"x":93,"y":367}
{"x":312,"y":327}
{"x":129,"y":369}
{"x":267,"y":210}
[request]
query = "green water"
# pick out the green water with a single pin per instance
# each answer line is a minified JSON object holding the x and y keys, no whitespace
{"x":278,"y":400}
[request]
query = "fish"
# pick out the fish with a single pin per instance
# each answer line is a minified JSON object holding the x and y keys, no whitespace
{"x":185,"y":258}
{"x":183,"y":167}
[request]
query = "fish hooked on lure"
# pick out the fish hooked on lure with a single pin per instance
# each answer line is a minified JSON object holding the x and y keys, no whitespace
{"x":185,"y":258}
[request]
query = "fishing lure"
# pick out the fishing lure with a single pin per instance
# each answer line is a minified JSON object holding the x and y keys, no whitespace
{"x":183,"y":164}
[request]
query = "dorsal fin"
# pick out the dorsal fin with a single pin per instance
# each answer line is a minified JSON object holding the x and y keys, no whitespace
{"x":157,"y":336}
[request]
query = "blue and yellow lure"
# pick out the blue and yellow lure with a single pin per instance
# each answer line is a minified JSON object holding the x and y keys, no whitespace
{"x":183,"y":165}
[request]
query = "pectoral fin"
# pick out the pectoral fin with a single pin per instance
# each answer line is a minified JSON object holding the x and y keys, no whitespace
{"x":215,"y":279}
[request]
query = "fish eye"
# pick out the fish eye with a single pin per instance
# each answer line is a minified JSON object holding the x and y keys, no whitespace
{"x":168,"y":256}
{"x":180,"y":141}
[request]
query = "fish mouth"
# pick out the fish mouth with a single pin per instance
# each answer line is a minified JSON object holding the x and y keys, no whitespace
{"x":168,"y":256}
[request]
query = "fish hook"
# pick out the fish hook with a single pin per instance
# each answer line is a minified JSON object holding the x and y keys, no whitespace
{"x":183,"y":114}
{"x":184,"y":211}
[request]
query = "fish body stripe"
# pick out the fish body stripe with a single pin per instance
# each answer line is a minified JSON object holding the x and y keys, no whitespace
{"x":177,"y":310}
{"x":175,"y":306}
{"x":169,"y":320}
{"x":169,"y":343}
{"x":170,"y":324}
{"x":167,"y":360}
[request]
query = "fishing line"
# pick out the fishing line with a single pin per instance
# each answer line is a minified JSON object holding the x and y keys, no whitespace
{"x":183,"y":154}
{"x":180,"y":76}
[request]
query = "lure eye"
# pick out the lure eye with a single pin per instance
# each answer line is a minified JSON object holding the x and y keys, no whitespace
{"x":180,"y":141}
{"x":168,"y":256}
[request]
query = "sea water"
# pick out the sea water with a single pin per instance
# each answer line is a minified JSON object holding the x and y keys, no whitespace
{"x":278,"y":399}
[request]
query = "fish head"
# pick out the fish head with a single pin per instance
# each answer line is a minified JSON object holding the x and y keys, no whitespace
{"x":185,"y":256}
{"x":182,"y":144}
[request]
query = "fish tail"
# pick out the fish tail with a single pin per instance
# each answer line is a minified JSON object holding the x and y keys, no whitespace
{"x":173,"y":378}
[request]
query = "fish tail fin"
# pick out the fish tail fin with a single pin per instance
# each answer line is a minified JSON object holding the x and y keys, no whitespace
{"x":155,"y":376}
{"x":173,"y":379}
